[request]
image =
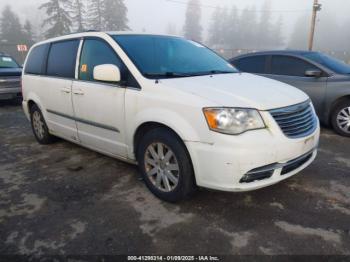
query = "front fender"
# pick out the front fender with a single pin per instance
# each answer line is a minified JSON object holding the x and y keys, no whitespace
{"x":175,"y":121}
{"x":335,"y":93}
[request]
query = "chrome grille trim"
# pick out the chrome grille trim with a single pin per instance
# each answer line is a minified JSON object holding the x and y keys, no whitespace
{"x":296,"y":121}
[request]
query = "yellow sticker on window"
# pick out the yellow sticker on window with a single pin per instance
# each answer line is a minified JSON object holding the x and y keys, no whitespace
{"x":83,"y":68}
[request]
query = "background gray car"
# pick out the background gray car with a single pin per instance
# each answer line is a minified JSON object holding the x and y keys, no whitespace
{"x":325,"y":79}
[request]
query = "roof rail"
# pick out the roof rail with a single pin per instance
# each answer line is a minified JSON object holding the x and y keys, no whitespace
{"x":73,"y":33}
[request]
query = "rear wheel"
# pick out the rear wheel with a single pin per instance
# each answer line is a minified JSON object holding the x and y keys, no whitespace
{"x":341,"y":118}
{"x":165,"y":165}
{"x":39,"y":127}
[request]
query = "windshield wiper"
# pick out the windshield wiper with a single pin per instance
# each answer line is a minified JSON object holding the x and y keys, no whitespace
{"x":213,"y":72}
{"x":179,"y":74}
{"x":221,"y":72}
{"x":167,"y":75}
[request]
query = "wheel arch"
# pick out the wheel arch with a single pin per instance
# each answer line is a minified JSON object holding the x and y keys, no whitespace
{"x":30,"y":104}
{"x":33,"y":98}
{"x":148,"y":126}
{"x":151,"y":125}
{"x":334,"y":105}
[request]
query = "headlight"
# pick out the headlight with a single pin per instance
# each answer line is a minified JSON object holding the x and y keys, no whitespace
{"x":233,"y":121}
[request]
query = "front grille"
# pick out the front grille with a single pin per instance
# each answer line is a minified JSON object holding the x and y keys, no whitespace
{"x":296,"y":121}
{"x":10,"y":82}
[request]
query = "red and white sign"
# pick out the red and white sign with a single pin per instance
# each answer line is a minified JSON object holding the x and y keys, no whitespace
{"x":22,"y":48}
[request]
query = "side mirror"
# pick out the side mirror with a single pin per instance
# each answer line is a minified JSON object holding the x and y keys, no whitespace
{"x":107,"y":73}
{"x":313,"y":73}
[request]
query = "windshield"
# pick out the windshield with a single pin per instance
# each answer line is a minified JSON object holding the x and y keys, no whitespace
{"x":168,"y":57}
{"x":7,"y":62}
{"x":334,"y":64}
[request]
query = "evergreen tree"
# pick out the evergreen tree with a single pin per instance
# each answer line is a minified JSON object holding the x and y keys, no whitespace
{"x":299,"y":36}
{"x":215,"y":30}
{"x":230,"y":29}
{"x":265,"y":25}
{"x":115,"y":15}
{"x":11,"y":28}
{"x":193,"y":28}
{"x":328,"y":29}
{"x":11,"y":33}
{"x":345,"y":38}
{"x":108,"y":15}
{"x":171,"y":29}
{"x":96,"y":8}
{"x":58,"y":21}
{"x":78,"y":13}
{"x":249,"y":36}
{"x":223,"y":23}
{"x":277,"y":36}
{"x":231,"y":26}
{"x":28,"y":33}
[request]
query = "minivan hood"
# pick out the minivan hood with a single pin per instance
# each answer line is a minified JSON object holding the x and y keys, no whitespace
{"x":239,"y":90}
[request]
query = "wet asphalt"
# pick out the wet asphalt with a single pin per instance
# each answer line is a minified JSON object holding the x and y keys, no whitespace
{"x":63,"y":199}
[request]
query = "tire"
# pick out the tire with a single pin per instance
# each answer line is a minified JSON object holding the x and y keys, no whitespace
{"x":341,"y":118}
{"x":168,"y":175}
{"x":39,"y":127}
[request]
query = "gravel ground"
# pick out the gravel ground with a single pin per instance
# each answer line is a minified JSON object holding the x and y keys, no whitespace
{"x":63,"y":199}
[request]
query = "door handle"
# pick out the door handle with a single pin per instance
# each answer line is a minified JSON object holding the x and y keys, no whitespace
{"x":65,"y":90}
{"x":78,"y":92}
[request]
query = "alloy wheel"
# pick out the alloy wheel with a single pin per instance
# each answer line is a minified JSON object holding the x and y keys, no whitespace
{"x":343,"y":120}
{"x":38,"y":125}
{"x":162,"y":167}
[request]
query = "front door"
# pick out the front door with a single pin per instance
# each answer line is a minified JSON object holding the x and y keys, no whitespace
{"x":98,"y":106}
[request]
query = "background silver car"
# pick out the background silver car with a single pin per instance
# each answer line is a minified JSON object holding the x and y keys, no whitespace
{"x":325,"y":79}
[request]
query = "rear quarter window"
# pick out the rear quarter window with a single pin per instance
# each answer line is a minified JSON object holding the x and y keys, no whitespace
{"x":36,"y":60}
{"x":254,"y":64}
{"x":62,"y":58}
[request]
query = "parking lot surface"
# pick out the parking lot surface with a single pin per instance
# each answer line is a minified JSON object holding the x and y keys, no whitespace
{"x":64,"y":199}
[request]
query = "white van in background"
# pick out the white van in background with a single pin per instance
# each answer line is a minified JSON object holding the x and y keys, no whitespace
{"x":174,"y":107}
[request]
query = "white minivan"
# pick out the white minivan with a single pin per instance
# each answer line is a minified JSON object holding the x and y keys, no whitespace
{"x":172,"y":106}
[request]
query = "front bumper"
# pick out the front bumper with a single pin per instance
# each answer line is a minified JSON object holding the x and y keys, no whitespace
{"x":222,"y":165}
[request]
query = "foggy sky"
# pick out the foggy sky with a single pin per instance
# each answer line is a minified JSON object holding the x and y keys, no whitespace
{"x":154,"y":15}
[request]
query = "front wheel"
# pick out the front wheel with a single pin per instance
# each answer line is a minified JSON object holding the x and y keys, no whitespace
{"x":165,"y":165}
{"x":341,"y":118}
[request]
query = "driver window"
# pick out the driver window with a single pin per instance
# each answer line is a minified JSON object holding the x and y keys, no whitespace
{"x":96,"y":52}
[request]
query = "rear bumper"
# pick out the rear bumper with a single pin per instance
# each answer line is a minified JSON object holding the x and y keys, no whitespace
{"x":9,"y":93}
